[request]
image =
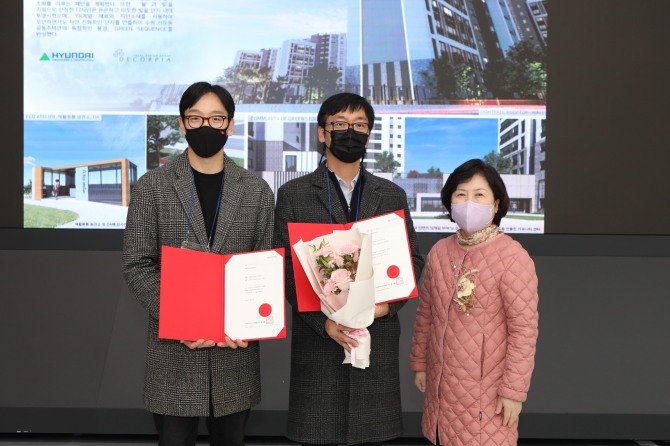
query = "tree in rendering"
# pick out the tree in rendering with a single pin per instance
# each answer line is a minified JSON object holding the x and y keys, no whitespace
{"x":162,"y":133}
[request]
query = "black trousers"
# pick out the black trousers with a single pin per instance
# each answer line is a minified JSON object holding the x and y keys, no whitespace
{"x":183,"y":431}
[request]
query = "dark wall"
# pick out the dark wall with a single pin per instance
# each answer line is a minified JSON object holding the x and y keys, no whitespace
{"x":72,"y":355}
{"x":608,"y":99}
{"x":11,"y":121}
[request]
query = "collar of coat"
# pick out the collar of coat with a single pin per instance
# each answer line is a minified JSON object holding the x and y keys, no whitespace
{"x":232,"y":196}
{"x":371,"y":196}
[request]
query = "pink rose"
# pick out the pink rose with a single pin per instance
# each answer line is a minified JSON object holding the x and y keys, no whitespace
{"x":324,"y":257}
{"x":348,"y":249}
{"x":325,"y":251}
{"x":330,"y":287}
{"x":337,"y":259}
{"x":341,"y":277}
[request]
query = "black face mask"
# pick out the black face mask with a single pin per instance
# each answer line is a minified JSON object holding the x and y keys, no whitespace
{"x":206,"y":141}
{"x":348,"y":146}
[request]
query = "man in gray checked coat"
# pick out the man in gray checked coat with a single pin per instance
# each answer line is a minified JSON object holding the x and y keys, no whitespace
{"x":201,"y":200}
{"x":331,"y":402}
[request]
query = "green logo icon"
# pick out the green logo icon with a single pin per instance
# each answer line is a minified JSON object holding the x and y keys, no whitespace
{"x":44,"y":57}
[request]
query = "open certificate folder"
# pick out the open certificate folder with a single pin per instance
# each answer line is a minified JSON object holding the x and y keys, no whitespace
{"x":391,"y":257}
{"x":210,"y":296}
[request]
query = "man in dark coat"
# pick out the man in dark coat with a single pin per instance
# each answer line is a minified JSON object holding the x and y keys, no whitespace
{"x":331,"y":402}
{"x":201,"y":200}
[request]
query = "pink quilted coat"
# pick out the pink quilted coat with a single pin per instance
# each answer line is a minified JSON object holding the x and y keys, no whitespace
{"x":471,"y":359}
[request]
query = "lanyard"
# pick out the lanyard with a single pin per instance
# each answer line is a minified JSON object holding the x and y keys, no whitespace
{"x":216,"y":213}
{"x":358,"y":201}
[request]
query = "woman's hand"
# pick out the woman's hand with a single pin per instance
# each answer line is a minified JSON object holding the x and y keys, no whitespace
{"x":335,"y":331}
{"x":420,"y":381}
{"x":510,"y":410}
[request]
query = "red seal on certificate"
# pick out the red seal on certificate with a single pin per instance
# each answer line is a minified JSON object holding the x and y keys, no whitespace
{"x":393,"y":271}
{"x":265,"y":310}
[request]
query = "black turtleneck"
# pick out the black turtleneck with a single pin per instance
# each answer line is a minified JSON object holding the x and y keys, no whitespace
{"x":209,"y":187}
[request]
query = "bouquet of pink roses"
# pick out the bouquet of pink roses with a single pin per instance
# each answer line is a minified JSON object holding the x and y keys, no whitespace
{"x":336,"y":268}
{"x":339,"y":269}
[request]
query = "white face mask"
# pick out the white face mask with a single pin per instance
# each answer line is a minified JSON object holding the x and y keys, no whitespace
{"x":472,"y":217}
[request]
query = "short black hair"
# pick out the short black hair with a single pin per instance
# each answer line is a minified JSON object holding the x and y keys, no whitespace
{"x":465,"y":172}
{"x":196,"y":91}
{"x":343,"y":102}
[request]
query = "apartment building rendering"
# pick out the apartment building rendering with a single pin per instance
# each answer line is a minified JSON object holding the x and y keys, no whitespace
{"x":386,"y":56}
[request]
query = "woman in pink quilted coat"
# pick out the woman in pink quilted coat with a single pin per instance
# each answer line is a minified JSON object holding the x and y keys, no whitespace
{"x":476,"y":325}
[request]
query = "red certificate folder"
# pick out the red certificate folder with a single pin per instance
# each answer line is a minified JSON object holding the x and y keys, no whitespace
{"x":192,"y":297}
{"x":306,"y":296}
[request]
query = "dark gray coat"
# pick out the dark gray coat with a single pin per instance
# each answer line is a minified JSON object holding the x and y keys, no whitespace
{"x":331,"y":402}
{"x":177,"y":380}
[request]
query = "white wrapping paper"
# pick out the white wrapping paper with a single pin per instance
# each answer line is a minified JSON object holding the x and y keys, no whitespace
{"x":354,"y":308}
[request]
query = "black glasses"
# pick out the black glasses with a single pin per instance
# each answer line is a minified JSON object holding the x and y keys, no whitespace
{"x":215,"y":122}
{"x":343,"y":126}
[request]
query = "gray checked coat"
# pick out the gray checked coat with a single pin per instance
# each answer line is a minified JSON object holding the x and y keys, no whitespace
{"x":180,"y":381}
{"x":331,"y":402}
